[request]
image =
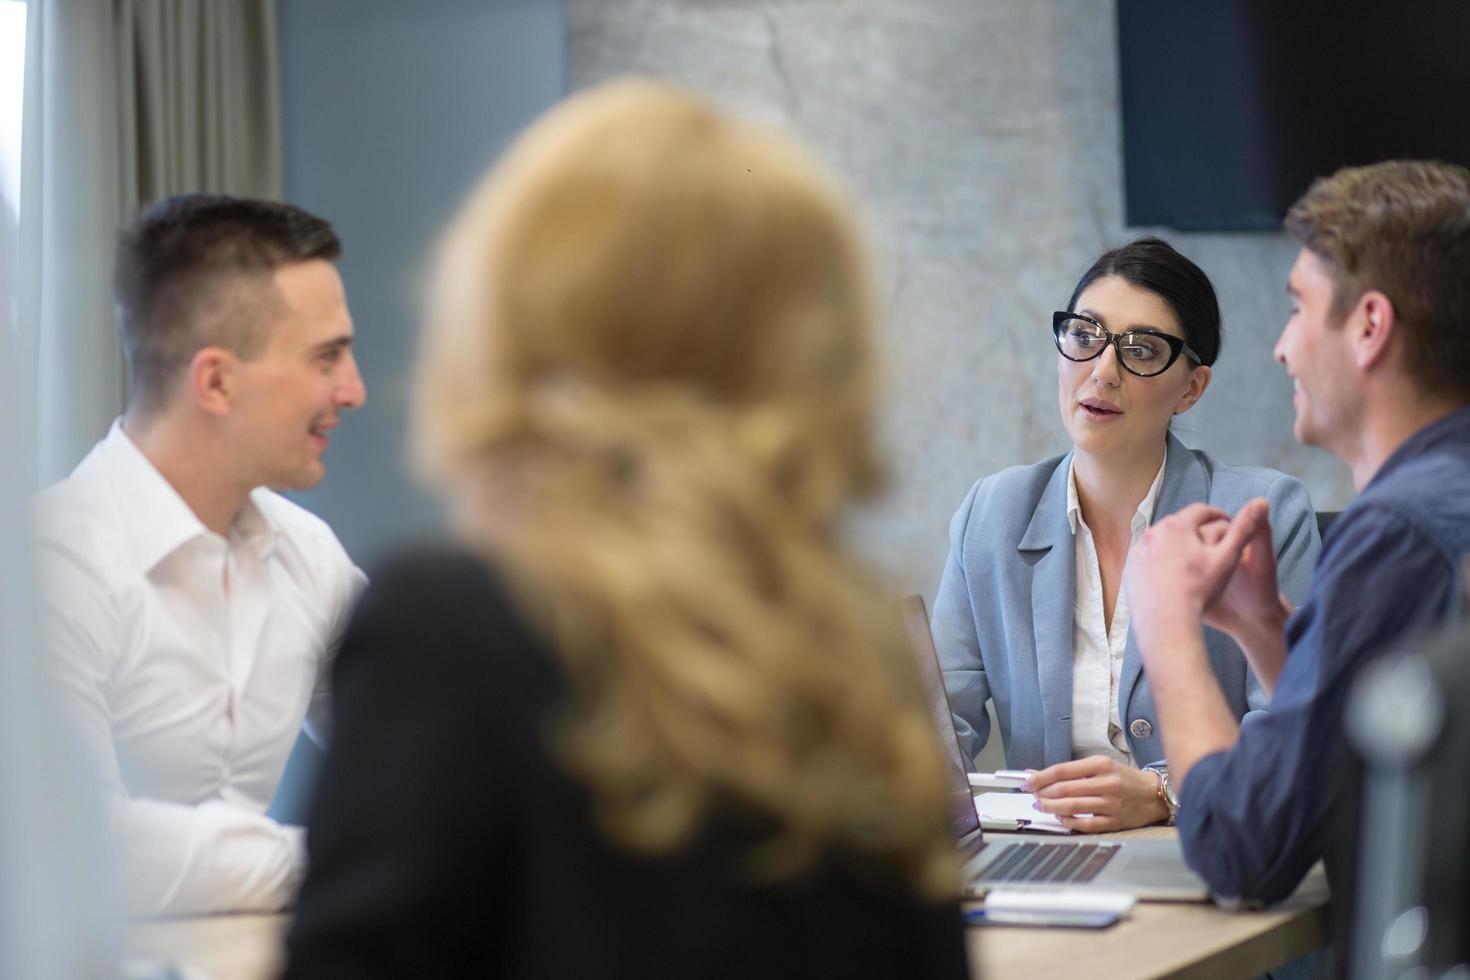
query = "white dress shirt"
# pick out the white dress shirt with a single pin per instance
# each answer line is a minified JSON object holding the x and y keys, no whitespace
{"x":188,"y":661}
{"x":1097,"y":648}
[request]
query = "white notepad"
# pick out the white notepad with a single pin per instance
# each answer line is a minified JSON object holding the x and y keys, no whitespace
{"x":1064,"y":900}
{"x":1007,"y":808}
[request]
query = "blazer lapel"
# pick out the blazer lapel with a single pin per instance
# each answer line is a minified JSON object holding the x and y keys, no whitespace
{"x":1053,"y":581}
{"x":1185,"y":482}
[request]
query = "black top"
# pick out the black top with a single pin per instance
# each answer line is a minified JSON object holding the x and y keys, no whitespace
{"x":445,"y":842}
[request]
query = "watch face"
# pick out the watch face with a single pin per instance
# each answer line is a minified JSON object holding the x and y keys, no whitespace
{"x":1170,"y":797}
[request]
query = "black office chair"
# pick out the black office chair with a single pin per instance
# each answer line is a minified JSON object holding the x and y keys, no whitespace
{"x":1324,"y":521}
{"x":1409,"y":720}
{"x":1465,"y":588}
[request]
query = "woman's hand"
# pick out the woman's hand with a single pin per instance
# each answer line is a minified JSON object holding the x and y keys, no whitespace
{"x":1114,"y":796}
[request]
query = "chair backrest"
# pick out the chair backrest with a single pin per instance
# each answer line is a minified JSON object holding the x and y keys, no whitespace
{"x":1465,"y":587}
{"x":1409,"y":719}
{"x":1324,"y":521}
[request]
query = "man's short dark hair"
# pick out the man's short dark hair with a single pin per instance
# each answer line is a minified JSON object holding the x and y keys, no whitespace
{"x":1401,"y":227}
{"x":194,"y":271}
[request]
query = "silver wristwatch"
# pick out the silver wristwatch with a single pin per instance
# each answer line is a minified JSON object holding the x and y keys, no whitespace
{"x":1166,"y":791}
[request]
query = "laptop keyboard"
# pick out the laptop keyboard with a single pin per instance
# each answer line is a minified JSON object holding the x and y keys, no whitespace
{"x":1059,"y":863}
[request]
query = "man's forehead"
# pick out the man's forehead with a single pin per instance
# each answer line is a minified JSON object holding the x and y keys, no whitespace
{"x":313,"y":278}
{"x":1309,"y":267}
{"x":311,"y":309}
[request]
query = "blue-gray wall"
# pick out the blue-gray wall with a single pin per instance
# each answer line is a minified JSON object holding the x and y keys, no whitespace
{"x":391,"y":111}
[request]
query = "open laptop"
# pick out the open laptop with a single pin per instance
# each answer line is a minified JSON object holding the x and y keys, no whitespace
{"x":1151,"y":870}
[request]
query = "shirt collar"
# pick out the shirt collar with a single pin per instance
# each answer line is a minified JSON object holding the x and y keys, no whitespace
{"x":1141,"y":517}
{"x":159,"y":521}
{"x":1453,"y":427}
{"x":253,"y":528}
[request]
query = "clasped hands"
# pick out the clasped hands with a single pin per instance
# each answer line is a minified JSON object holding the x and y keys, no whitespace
{"x":1201,"y":566}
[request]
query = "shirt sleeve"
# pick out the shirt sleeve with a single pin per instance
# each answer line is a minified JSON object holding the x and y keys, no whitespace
{"x":348,"y":583}
{"x":1254,"y":818}
{"x":1297,"y":543}
{"x":174,"y":858}
{"x":958,"y":642}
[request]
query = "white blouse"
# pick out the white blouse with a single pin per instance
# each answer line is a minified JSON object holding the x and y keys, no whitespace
{"x":1097,"y":649}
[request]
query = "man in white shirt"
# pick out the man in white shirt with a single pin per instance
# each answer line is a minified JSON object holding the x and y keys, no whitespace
{"x":190,"y":612}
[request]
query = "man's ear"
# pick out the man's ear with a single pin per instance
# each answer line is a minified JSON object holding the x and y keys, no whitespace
{"x":212,"y":379}
{"x":1199,"y":380}
{"x":1374,"y":325}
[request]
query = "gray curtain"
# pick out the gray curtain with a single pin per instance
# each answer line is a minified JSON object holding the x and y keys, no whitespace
{"x":199,"y":102}
{"x":57,"y":901}
{"x":126,"y":102}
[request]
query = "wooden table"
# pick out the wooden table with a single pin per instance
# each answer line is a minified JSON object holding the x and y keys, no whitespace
{"x":1161,"y":939}
{"x":218,"y":947}
{"x":1157,"y":940}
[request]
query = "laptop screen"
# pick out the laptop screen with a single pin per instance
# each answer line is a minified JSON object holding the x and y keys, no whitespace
{"x":962,"y":804}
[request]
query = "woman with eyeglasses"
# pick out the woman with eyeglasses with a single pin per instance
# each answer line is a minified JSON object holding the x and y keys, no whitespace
{"x":1031,"y":616}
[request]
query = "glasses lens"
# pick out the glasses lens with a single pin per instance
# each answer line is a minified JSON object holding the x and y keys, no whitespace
{"x":1144,"y":353}
{"x":1080,"y":340}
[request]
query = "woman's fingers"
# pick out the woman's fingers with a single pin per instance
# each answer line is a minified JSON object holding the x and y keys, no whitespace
{"x":1091,"y":825}
{"x":1063,"y":772}
{"x":1073,"y":805}
{"x":1095,"y":786}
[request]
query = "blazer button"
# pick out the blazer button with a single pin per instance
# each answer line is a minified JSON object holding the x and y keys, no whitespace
{"x":1141,"y":728}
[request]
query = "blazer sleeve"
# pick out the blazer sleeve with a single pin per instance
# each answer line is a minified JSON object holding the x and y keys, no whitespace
{"x":1294,"y":532}
{"x":1294,"y":535}
{"x":408,"y":836}
{"x":958,"y":641}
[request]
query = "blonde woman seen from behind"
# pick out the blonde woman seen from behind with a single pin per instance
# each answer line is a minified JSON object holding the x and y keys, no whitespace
{"x":647,"y":717}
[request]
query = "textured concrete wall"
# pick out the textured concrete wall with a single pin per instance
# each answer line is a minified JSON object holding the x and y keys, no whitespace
{"x":982,"y":138}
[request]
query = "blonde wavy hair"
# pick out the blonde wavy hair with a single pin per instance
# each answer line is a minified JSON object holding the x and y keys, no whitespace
{"x":647,"y":387}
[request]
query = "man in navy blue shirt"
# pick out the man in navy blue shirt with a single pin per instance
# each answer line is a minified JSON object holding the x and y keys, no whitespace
{"x":1378,"y":345}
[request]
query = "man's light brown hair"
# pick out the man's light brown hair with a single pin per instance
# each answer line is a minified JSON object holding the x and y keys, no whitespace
{"x":1403,"y":228}
{"x":194,"y":271}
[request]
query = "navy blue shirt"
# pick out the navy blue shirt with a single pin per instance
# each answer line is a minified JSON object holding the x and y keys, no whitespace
{"x":1254,"y":819}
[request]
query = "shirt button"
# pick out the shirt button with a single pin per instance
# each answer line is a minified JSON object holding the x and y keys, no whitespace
{"x":1141,"y":728}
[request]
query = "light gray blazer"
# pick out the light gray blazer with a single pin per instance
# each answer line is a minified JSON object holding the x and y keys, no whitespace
{"x":1003,"y":618}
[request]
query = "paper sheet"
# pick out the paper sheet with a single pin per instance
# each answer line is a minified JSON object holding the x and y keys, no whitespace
{"x":1015,"y":806}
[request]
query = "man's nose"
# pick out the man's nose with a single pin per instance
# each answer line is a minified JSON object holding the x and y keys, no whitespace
{"x":351,"y":392}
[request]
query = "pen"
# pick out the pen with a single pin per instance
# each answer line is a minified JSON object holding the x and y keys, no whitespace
{"x":1001,"y":779}
{"x":1004,"y":825}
